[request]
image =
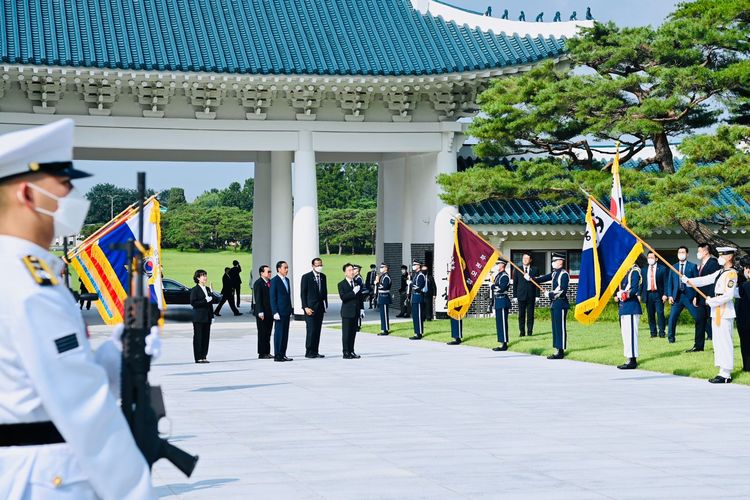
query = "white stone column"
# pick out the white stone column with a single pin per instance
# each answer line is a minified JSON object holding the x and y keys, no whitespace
{"x":261,"y":213}
{"x":380,"y":224}
{"x":281,"y":208}
{"x":443,"y":250}
{"x":306,"y":240}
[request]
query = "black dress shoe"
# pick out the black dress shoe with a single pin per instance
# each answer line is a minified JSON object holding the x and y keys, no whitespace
{"x":530,"y":334}
{"x":672,"y":341}
{"x":320,"y":355}
{"x":383,"y":334}
{"x":558,"y":355}
{"x":347,"y":356}
{"x":718,"y":379}
{"x":288,"y":359}
{"x":238,"y":314}
{"x":354,"y":355}
{"x":662,"y":336}
{"x":501,"y":347}
{"x":695,"y":349}
{"x":454,"y":342}
{"x":217,"y":314}
{"x":265,"y":356}
{"x":415,"y":337}
{"x":280,"y":360}
{"x":310,"y":356}
{"x":522,"y":335}
{"x":653,"y":336}
{"x":632,"y":364}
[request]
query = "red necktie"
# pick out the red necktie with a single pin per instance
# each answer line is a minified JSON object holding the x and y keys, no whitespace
{"x":653,"y":278}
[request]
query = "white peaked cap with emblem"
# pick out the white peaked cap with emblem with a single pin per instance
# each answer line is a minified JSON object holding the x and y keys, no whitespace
{"x":726,"y":250}
{"x":45,"y":149}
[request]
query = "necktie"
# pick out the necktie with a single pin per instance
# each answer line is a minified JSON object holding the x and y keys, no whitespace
{"x":268,"y":284}
{"x":652,"y":281}
{"x":317,"y":280}
{"x":286,"y":285}
{"x":682,"y":271}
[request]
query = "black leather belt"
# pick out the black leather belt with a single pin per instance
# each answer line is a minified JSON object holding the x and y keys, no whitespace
{"x":33,"y":434}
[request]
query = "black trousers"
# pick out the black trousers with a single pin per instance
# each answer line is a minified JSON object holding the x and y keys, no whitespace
{"x":314,"y":325}
{"x":265,"y":327}
{"x":237,"y":294}
{"x":702,"y":324}
{"x":744,"y":332}
{"x":655,"y":312}
{"x":229,"y":298}
{"x":348,"y":334}
{"x":201,"y":336}
{"x":429,"y":307}
{"x":526,"y":316}
{"x":402,"y":303}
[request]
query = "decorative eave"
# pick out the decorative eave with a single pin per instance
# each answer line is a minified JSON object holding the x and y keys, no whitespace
{"x":544,"y":231}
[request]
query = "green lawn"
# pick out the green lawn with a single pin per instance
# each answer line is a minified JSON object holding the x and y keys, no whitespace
{"x":599,"y":343}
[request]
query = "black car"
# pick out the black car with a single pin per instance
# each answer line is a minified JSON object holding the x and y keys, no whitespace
{"x":177,"y":293}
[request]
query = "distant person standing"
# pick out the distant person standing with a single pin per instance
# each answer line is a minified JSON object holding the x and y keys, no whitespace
{"x":418,"y":288}
{"x":559,"y":306}
{"x":707,"y":264}
{"x":526,"y":294}
{"x":281,"y":306}
{"x":630,"y":310}
{"x":429,"y":297}
{"x":83,"y":290}
{"x":360,"y":282}
{"x":227,"y":293}
{"x":263,"y":313}
{"x":351,"y":300}
{"x":501,"y":303}
{"x":403,"y":291}
{"x":654,"y":294}
{"x":679,"y":295}
{"x":383,"y":287}
{"x":742,"y":308}
{"x":372,"y":293}
{"x":314,"y":295}
{"x":201,"y":299}
{"x":236,"y":273}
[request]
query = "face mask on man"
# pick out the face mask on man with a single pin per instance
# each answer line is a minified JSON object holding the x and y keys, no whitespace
{"x":557,"y":265}
{"x":382,"y":269}
{"x":747,"y":273}
{"x":70,"y":214}
{"x":415,"y":268}
{"x":318,"y":269}
{"x":682,"y":256}
{"x":651,"y":262}
{"x":722,"y":260}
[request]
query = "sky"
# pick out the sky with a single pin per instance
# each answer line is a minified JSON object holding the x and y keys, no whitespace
{"x":196,"y":178}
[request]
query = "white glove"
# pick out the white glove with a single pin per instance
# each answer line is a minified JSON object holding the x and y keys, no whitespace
{"x":684,"y":279}
{"x":277,"y":317}
{"x":209,"y":299}
{"x":262,"y":316}
{"x":116,"y":336}
{"x":408,"y":282}
{"x":153,"y":343}
{"x":356,"y":289}
{"x":527,"y":276}
{"x":536,"y":300}
{"x":362,"y":314}
{"x":515,"y":300}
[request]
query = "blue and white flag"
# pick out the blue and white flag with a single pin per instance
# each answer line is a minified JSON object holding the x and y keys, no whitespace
{"x":609,"y":251}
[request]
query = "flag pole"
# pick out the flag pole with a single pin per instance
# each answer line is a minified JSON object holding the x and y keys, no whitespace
{"x":499,"y":252}
{"x":649,"y":247}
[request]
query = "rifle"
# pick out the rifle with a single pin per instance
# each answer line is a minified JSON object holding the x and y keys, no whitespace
{"x":142,"y":404}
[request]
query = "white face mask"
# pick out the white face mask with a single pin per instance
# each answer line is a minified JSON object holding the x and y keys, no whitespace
{"x":382,"y":269}
{"x":722,"y":260}
{"x":682,"y":256}
{"x":318,"y":269}
{"x":557,"y":265}
{"x":70,"y":214}
{"x":747,"y":273}
{"x":651,"y":262}
{"x":699,"y":256}
{"x":415,"y":268}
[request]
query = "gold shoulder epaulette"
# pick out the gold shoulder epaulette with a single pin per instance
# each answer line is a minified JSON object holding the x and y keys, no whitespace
{"x":40,"y":271}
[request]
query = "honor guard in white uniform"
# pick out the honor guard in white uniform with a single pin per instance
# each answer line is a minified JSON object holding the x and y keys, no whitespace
{"x":559,"y":303}
{"x":62,"y":433}
{"x":722,"y":311}
{"x":501,"y":303}
{"x":630,"y":310}
{"x":383,"y":285}
{"x":418,"y":288}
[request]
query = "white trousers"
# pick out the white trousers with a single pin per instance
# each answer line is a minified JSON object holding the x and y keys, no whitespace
{"x":723,"y":345}
{"x":629,"y":331}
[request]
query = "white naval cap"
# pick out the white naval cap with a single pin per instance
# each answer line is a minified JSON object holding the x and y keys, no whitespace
{"x":45,"y":149}
{"x":726,"y":250}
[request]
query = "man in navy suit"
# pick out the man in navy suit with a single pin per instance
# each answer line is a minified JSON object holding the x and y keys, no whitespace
{"x":314,"y":295}
{"x":680,"y":295}
{"x":281,"y":307}
{"x":707,"y":264}
{"x":654,"y":294}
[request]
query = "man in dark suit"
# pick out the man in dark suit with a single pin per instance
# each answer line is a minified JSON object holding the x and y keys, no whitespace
{"x":707,"y":264}
{"x":680,"y":295}
{"x":654,"y":294}
{"x":403,"y":291}
{"x":227,"y":293}
{"x":429,"y":297}
{"x":281,"y":307}
{"x":526,"y":294}
{"x":314,"y":295}
{"x":372,"y":293}
{"x":263,"y":312}
{"x":236,"y":274}
{"x":351,"y":301}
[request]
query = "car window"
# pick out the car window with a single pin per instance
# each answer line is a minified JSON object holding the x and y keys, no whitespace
{"x":171,"y":285}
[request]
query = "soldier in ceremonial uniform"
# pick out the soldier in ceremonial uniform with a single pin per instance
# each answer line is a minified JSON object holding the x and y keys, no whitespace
{"x":722,"y":311}
{"x":418,"y":288}
{"x":501,"y":303}
{"x":62,"y":433}
{"x":383,"y":285}
{"x":559,"y":299}
{"x":457,"y":331}
{"x":360,"y":282}
{"x":629,"y":305}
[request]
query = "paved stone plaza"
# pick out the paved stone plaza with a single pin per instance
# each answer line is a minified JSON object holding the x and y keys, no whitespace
{"x":425,"y":420}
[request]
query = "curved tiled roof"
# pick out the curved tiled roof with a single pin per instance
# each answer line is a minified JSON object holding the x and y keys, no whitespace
{"x":325,"y":37}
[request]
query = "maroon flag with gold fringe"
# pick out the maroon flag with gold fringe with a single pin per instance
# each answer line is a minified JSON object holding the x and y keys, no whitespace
{"x":472,"y":260}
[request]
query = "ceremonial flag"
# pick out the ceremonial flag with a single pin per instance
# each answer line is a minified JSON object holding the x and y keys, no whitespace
{"x":104,"y":269}
{"x":472,"y":259}
{"x":616,"y":201}
{"x":609,"y":251}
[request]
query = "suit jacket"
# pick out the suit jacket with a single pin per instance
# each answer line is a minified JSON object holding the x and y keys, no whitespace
{"x":281,"y":301}
{"x":522,"y":289}
{"x":203,"y":311}
{"x":235,"y":273}
{"x":227,"y":285}
{"x":315,"y":299}
{"x":370,"y":281}
{"x":262,"y":299}
{"x":350,"y":301}
{"x":661,"y":278}
{"x":712,"y":265}
{"x":673,"y":281}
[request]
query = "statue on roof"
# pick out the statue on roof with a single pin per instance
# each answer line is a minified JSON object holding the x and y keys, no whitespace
{"x":589,"y":17}
{"x":488,"y":12}
{"x":574,"y":16}
{"x":522,"y":17}
{"x":557,"y":18}
{"x":540,"y":17}
{"x":505,"y":14}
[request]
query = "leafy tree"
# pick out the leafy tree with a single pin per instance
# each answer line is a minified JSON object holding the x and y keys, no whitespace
{"x":173,"y":198}
{"x":108,"y":200}
{"x":642,"y":86}
{"x":347,"y":185}
{"x":348,"y":228}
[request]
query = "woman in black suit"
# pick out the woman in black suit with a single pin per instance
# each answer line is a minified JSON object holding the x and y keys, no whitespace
{"x":201,"y":299}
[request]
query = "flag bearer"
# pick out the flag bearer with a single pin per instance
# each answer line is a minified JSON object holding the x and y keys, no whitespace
{"x":559,"y":299}
{"x":629,"y":304}
{"x":418,"y":287}
{"x":383,"y":284}
{"x":457,"y":331}
{"x":501,"y":302}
